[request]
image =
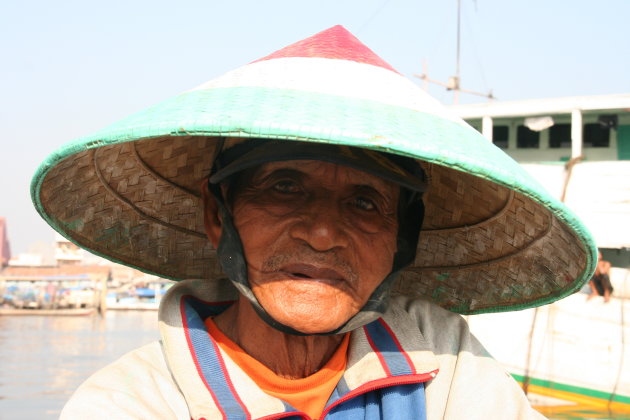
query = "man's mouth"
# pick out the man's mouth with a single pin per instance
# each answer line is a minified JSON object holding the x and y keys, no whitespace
{"x":311,"y":272}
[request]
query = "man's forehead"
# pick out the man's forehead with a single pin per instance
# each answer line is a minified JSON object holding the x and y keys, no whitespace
{"x":315,"y":169}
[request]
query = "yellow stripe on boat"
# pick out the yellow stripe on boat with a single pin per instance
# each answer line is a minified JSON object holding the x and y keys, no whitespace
{"x":583,"y":399}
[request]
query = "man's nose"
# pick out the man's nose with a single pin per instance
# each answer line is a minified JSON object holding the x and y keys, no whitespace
{"x":321,"y":225}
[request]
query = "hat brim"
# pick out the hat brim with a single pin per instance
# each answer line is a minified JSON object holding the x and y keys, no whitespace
{"x":493,"y":238}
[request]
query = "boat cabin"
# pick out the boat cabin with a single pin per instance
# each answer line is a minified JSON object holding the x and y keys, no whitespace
{"x":591,"y":128}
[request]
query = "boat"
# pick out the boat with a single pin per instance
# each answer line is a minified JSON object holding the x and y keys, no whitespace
{"x":47,"y":312}
{"x":139,"y":298}
{"x":572,"y":357}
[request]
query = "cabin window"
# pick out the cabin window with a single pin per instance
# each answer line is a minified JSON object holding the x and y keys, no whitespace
{"x":596,"y":135}
{"x":560,"y":136}
{"x":500,"y":134}
{"x":526,"y":138}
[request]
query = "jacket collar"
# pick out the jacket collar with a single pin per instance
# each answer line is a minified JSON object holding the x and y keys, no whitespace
{"x":388,"y":351}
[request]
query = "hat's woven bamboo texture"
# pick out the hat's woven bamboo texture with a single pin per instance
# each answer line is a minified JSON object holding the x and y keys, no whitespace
{"x":492,"y":239}
{"x":482,"y":245}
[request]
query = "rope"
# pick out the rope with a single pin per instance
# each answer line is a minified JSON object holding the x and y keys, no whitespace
{"x":569,"y":168}
{"x":526,"y":376}
{"x":623,"y":341}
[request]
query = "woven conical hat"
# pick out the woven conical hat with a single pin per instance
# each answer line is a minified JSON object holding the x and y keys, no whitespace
{"x":493,"y":239}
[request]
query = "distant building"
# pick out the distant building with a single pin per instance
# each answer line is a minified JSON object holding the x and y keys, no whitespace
{"x":5,"y":250}
{"x":67,"y":253}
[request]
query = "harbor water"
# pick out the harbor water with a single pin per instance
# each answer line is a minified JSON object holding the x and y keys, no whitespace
{"x":45,"y":358}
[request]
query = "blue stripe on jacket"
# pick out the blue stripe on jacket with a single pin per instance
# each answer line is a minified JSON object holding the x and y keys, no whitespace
{"x":386,"y":345}
{"x":208,"y":360}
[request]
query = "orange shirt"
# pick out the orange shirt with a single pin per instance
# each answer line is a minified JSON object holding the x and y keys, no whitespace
{"x":309,"y":394}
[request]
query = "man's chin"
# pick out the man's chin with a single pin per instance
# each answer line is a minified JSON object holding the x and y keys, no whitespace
{"x":311,"y":322}
{"x":314,"y":330}
{"x":310,"y":309}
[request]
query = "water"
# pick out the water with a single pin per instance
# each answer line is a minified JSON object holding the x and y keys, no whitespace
{"x":45,"y":358}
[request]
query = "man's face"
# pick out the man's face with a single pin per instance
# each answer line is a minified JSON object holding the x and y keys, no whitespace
{"x":318,"y":239}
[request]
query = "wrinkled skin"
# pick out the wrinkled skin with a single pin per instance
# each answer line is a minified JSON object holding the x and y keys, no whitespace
{"x":318,"y":239}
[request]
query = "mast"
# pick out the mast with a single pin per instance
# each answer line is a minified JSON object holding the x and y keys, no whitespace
{"x":459,"y":36}
{"x":453,"y":82}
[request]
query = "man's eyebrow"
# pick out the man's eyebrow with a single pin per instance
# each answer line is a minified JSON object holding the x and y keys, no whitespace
{"x":381,"y":190}
{"x":370,"y":187}
{"x":377,"y":186}
{"x":263,"y":174}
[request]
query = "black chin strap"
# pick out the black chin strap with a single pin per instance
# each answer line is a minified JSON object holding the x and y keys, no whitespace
{"x":232,"y":259}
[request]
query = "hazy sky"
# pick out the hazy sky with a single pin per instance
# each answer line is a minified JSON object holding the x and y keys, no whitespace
{"x":69,"y":68}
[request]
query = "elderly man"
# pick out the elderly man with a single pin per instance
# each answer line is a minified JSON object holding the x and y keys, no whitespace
{"x":344,"y":219}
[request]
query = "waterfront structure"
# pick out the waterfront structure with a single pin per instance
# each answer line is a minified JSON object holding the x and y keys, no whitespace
{"x":51,"y":287}
{"x":76,"y":280}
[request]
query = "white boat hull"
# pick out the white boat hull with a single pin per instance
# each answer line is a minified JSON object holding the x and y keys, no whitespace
{"x":573,"y":353}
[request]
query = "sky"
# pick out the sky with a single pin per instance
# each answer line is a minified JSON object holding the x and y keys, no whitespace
{"x":69,"y":68}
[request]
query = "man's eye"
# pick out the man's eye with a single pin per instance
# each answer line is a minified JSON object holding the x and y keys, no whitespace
{"x":364,"y":203}
{"x":286,"y":187}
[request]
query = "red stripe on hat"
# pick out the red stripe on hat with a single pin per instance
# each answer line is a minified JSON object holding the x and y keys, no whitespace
{"x":335,"y":43}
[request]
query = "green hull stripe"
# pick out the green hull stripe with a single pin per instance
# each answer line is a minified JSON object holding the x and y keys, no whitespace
{"x":574,"y":389}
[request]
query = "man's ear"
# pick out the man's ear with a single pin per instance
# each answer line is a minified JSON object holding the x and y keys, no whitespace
{"x":211,"y":216}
